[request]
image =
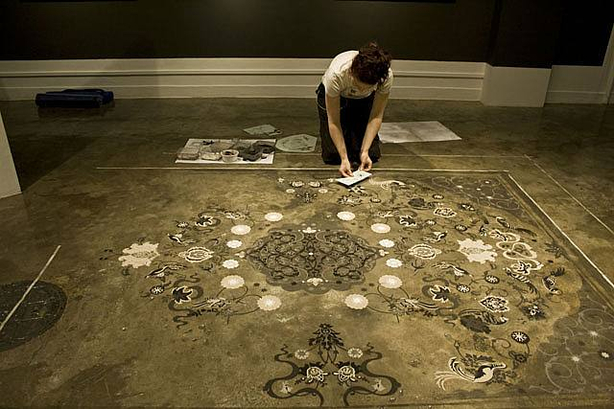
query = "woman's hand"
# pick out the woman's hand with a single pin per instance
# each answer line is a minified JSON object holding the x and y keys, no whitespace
{"x":365,"y":162}
{"x":346,"y":168}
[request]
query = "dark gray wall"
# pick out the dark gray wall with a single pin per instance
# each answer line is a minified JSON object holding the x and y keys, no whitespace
{"x":464,"y":30}
{"x":585,"y":32}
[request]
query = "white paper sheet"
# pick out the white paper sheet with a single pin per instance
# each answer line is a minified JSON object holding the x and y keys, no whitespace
{"x":359,"y":176}
{"x":422,"y":131}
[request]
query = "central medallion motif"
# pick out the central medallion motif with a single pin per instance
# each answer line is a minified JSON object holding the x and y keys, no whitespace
{"x":313,"y":260}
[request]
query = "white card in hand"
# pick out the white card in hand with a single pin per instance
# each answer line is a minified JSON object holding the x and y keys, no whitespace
{"x":359,"y":176}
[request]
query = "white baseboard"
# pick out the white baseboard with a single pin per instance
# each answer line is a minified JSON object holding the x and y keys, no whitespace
{"x":579,"y":84}
{"x":4,"y":194}
{"x":583,"y":84}
{"x":514,"y":86}
{"x":298,"y":78}
{"x":576,"y":97}
{"x":227,"y":77}
{"x":9,"y":183}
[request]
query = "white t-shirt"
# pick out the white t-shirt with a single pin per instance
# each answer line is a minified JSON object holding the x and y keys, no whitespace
{"x":338,"y":81}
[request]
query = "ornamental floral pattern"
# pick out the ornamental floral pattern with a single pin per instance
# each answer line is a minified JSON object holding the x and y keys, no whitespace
{"x":139,"y":255}
{"x":312,"y":260}
{"x":477,"y":251}
{"x":327,"y":361}
{"x":461,"y":257}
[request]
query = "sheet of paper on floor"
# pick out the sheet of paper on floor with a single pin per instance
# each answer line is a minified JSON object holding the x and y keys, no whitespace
{"x":359,"y":176}
{"x":266,"y":129}
{"x":199,"y":142}
{"x":421,"y":131}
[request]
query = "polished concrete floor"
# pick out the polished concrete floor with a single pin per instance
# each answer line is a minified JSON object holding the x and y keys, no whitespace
{"x":85,"y":175}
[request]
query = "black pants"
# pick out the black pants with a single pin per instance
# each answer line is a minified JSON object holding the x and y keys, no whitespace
{"x":354,"y":119}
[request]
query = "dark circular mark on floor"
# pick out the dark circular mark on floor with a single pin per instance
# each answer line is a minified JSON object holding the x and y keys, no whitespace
{"x":41,"y":309}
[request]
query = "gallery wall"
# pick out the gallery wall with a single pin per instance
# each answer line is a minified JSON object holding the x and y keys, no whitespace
{"x":532,"y":33}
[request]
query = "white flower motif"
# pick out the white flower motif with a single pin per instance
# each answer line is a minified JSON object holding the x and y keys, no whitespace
{"x":138,"y":255}
{"x":356,"y":301}
{"x":424,"y":251}
{"x":196,"y":254}
{"x":323,"y":190}
{"x":355,"y":353}
{"x":394,"y":263}
{"x":575,"y":358}
{"x":240,"y":229}
{"x":346,"y":373}
{"x":495,"y":303}
{"x":309,"y":230}
{"x":491,"y":279}
{"x":290,"y":190}
{"x":297,"y":183}
{"x":347,"y":216}
{"x":281,"y":180}
{"x":520,"y":337}
{"x":234,"y":215}
{"x":315,"y":281}
{"x":380,"y":228}
{"x":230,"y":264}
{"x":315,"y":184}
{"x":232,"y":282}
{"x":301,"y":354}
{"x":389,"y":281}
{"x":386,"y":243}
{"x":476,"y":251}
{"x":234,"y":244}
{"x":269,"y":303}
{"x":593,"y":334}
{"x":444,"y":212}
{"x":273,"y":216}
{"x":314,"y":373}
{"x":383,"y":252}
{"x":463,"y":288}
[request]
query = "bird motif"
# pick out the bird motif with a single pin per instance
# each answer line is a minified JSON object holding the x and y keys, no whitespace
{"x":502,"y":221}
{"x":458,"y":271}
{"x":550,"y":284}
{"x":161,"y":272}
{"x":157,"y":273}
{"x":483,"y":373}
{"x":522,"y":278}
{"x":483,"y":230}
{"x":437,"y":237}
{"x":176,"y":238}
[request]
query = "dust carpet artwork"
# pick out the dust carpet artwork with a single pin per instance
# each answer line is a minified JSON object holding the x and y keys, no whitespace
{"x":409,"y":288}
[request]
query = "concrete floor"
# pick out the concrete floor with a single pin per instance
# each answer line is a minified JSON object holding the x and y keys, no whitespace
{"x":71,"y":163}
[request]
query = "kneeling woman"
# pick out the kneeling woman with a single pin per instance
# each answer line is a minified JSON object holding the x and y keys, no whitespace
{"x":351,"y":102}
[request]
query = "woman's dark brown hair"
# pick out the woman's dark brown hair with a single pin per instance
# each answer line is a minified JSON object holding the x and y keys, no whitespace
{"x":371,"y":64}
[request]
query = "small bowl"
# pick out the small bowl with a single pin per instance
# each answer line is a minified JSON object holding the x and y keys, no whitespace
{"x":230,"y":155}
